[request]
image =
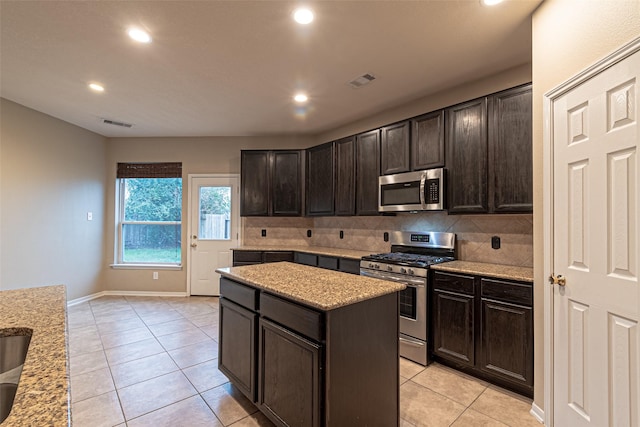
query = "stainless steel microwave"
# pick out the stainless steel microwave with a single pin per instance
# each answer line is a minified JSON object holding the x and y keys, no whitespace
{"x":412,"y":191}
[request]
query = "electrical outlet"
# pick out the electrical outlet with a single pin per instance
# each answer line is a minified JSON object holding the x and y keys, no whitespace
{"x":495,"y":242}
{"x":155,"y":275}
{"x":89,"y":216}
{"x":341,"y":234}
{"x":263,"y":233}
{"x":308,"y":233}
{"x":385,"y":236}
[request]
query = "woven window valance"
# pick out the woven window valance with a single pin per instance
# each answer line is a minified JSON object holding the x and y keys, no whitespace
{"x":149,"y":170}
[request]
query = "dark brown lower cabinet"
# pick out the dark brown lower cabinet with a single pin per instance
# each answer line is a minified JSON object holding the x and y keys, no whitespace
{"x":250,"y":257}
{"x":484,"y":326}
{"x":507,"y":341}
{"x":305,"y":367}
{"x":237,"y":345}
{"x":288,"y":358}
{"x":260,"y":257}
{"x":453,"y":327}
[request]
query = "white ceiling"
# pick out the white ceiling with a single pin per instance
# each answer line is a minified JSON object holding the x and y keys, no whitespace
{"x":219,"y":68}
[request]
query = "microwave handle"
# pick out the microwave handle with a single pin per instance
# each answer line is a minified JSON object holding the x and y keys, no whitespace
{"x":423,"y":180}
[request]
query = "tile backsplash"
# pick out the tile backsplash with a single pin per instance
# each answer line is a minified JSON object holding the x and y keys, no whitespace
{"x":473,"y":233}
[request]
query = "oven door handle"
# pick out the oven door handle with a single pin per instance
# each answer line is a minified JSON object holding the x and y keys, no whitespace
{"x":411,"y":342}
{"x":414,"y":283}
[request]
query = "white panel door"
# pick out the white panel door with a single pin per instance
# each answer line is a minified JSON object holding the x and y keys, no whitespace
{"x":214,"y":224}
{"x":596,"y":344}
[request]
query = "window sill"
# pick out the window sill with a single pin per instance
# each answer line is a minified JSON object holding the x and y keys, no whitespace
{"x":145,"y":267}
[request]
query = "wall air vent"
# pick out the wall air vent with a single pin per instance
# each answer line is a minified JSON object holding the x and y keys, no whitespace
{"x":362,"y":80}
{"x":117,"y":123}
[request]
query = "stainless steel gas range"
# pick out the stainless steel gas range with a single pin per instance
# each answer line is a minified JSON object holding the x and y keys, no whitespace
{"x":408,"y":262}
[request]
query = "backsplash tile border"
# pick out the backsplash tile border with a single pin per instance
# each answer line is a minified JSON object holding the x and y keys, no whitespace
{"x":366,"y":233}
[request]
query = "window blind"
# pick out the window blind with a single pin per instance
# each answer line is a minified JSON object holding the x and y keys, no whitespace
{"x":149,"y":170}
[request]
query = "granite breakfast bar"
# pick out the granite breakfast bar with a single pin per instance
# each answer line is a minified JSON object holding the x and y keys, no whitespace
{"x":309,"y":346}
{"x":42,"y":396}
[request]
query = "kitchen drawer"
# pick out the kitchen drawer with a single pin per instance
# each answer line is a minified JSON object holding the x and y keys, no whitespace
{"x":240,"y":294}
{"x":293,"y":316}
{"x":275,"y":256}
{"x":307,"y":259}
{"x":247,"y":257}
{"x":349,"y":265}
{"x":328,"y":262}
{"x":453,"y":283}
{"x":516,"y":293}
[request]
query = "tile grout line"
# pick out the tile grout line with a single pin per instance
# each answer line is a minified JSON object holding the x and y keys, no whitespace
{"x":124,"y":418}
{"x":166,"y":351}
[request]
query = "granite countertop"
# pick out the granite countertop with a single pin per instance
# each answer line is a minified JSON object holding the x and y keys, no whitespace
{"x":42,"y":397}
{"x":316,"y":287}
{"x":317,"y":250}
{"x":499,"y":271}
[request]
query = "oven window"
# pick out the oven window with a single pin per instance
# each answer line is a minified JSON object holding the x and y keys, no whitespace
{"x":408,"y":303}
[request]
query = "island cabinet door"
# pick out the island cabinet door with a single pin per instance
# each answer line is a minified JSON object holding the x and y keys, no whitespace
{"x":237,"y":346}
{"x":289,"y":376}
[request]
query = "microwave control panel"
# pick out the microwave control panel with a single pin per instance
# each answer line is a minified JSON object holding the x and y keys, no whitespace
{"x":432,"y":190}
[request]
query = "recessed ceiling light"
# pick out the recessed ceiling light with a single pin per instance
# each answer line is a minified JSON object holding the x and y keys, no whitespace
{"x":300,"y":98}
{"x":491,"y":2}
{"x":303,"y":16}
{"x":96,"y":87}
{"x":139,"y":35}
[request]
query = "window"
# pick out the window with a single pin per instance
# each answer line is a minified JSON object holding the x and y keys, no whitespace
{"x":149,"y":213}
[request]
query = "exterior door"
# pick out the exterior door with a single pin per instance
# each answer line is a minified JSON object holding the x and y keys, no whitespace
{"x":594,"y":239}
{"x":214,"y":227}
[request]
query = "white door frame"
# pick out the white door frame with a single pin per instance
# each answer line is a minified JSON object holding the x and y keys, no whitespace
{"x":236,"y":216}
{"x":548,"y":182}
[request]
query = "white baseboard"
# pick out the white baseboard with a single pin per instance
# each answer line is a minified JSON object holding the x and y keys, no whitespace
{"x":125,"y":294}
{"x":537,"y":413}
{"x":80,"y":300}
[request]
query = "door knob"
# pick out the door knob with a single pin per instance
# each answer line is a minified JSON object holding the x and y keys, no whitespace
{"x":558,"y":280}
{"x":194,"y":244}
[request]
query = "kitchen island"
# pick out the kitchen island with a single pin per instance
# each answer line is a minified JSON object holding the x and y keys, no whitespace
{"x":311,"y":347}
{"x":42,"y":396}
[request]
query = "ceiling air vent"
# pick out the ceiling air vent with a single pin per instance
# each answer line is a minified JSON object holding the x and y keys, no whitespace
{"x":362,"y":80}
{"x":117,"y":123}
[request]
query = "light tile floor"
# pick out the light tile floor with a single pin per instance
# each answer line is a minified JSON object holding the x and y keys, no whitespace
{"x":151,"y":361}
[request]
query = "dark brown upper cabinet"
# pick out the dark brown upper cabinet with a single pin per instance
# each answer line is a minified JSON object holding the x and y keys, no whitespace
{"x":345,"y":169}
{"x":367,"y":172}
{"x":254,"y":199}
{"x":271,"y":183}
{"x":467,"y":163}
{"x":320,"y":180}
{"x":395,"y":148}
{"x":510,"y":151}
{"x":427,"y":141}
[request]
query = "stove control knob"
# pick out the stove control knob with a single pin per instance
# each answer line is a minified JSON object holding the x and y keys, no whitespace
{"x":403,"y":270}
{"x":411,"y":271}
{"x":389,"y":268}
{"x":370,"y":265}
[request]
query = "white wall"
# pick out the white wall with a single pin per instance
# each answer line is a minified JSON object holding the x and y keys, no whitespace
{"x":568,"y":36}
{"x":52,"y":173}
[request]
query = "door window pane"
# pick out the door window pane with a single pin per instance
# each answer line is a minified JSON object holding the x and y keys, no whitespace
{"x":215,"y":213}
